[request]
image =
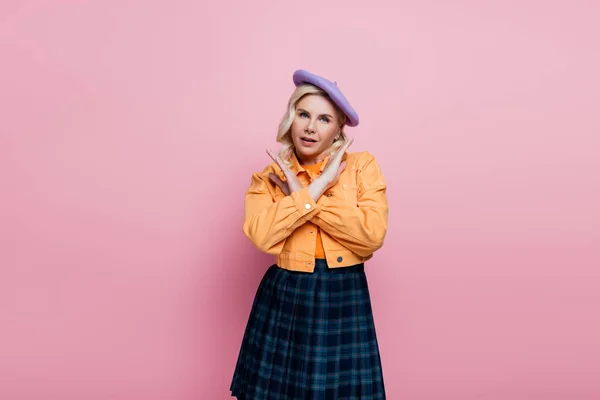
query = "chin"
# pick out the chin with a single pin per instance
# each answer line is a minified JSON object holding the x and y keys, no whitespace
{"x":312,"y":155}
{"x":308,"y":152}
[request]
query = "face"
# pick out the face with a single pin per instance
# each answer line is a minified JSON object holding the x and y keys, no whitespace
{"x":315,"y":126}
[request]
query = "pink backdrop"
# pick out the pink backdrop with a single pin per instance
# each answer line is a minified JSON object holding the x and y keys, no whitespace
{"x":128,"y":133}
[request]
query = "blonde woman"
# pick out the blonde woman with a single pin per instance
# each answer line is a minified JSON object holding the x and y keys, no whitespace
{"x":322,"y":212}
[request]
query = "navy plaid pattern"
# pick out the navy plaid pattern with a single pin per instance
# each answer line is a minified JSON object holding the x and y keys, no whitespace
{"x":310,"y":336}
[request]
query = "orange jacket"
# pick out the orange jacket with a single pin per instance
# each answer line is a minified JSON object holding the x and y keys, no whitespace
{"x":352,"y":215}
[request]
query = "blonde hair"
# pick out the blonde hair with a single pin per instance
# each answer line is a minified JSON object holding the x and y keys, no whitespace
{"x":284,"y":132}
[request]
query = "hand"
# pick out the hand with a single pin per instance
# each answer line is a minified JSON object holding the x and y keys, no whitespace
{"x":335,"y":165}
{"x":292,"y":183}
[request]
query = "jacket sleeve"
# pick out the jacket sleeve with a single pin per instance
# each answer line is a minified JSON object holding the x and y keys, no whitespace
{"x":267,"y":223}
{"x":361,"y":228}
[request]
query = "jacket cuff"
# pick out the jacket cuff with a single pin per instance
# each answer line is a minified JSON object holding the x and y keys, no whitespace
{"x":305,"y":204}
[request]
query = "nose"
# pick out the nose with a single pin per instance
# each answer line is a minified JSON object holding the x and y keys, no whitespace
{"x":310,"y":126}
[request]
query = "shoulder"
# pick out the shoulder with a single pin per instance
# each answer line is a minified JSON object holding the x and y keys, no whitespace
{"x":368,"y":171}
{"x":261,"y":178}
{"x":270,"y":168}
{"x":360,"y":159}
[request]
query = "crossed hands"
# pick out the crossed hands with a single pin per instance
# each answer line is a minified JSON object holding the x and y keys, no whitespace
{"x":331,"y":173}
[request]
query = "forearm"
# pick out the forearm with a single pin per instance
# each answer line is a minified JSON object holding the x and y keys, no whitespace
{"x":317,"y":188}
{"x":268,"y":222}
{"x":361,"y":230}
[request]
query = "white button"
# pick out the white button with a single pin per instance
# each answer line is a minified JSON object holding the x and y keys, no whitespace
{"x":307,"y":206}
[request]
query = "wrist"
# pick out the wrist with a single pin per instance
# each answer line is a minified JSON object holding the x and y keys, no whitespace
{"x":317,"y":188}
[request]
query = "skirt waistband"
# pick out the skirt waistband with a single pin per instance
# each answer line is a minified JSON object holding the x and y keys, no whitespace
{"x":321,"y":266}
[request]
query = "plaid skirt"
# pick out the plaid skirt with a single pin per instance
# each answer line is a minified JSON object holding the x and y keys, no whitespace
{"x":310,"y":336}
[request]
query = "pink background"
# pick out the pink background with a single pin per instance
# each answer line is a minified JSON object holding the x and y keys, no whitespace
{"x":128,"y":133}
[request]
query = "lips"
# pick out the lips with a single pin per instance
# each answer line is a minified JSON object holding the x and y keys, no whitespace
{"x":309,"y":140}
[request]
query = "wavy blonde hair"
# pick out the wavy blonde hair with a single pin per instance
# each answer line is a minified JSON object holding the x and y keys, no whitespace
{"x":284,"y":132}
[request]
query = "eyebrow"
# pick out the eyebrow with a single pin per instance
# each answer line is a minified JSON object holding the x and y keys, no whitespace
{"x":322,"y":115}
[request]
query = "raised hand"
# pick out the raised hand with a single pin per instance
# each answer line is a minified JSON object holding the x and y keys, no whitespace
{"x":292,"y":183}
{"x":335,"y":165}
{"x":331,"y":172}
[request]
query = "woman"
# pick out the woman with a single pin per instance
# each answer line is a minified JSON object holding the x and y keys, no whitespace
{"x":322,"y":212}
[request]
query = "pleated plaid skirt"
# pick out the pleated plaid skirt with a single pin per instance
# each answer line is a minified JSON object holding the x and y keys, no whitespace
{"x":310,"y":336}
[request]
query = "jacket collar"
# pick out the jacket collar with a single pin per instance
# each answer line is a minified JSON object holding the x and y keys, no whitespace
{"x":297,"y":168}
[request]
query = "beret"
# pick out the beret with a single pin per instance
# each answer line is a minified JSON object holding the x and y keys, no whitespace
{"x":302,"y":76}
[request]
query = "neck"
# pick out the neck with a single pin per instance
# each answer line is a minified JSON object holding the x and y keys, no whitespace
{"x":310,"y":161}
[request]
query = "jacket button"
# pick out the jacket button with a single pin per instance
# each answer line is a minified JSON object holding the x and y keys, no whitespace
{"x":339,"y":259}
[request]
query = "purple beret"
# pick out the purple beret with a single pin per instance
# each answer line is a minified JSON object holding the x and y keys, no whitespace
{"x":301,"y":76}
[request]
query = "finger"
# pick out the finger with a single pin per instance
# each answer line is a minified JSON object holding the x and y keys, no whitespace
{"x":285,"y":188}
{"x":286,"y":170}
{"x":341,"y":168}
{"x":282,"y":185}
{"x":337,"y":156}
{"x":275,"y":179}
{"x":346,"y":145}
{"x":272,"y":155}
{"x":276,"y":158}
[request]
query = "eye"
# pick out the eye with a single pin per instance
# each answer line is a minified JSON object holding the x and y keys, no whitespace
{"x":303,"y":114}
{"x":325,"y":119}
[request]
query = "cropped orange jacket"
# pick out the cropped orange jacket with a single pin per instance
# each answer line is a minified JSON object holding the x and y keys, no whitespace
{"x":352,"y":215}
